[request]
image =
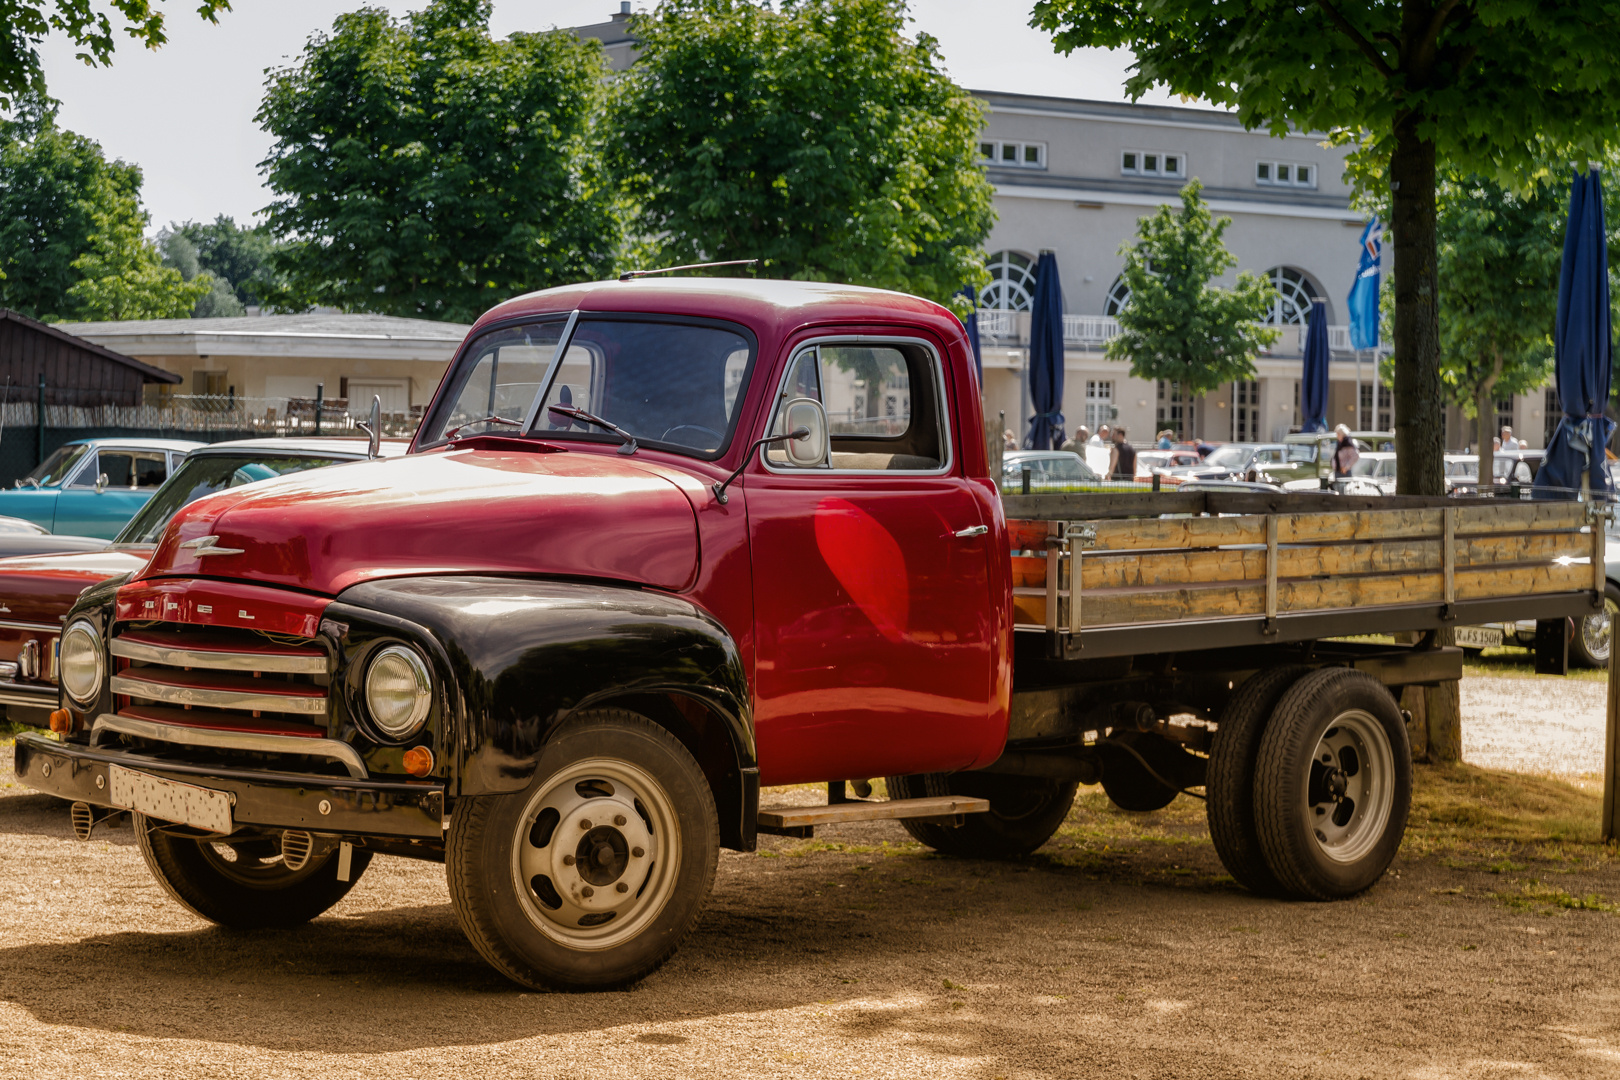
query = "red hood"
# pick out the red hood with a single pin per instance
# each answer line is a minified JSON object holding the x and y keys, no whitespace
{"x":41,"y":588}
{"x":535,"y":511}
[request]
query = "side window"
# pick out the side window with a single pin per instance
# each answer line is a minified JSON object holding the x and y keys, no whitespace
{"x":1302,"y":452}
{"x":884,"y":405}
{"x":150,"y":470}
{"x":118,"y":466}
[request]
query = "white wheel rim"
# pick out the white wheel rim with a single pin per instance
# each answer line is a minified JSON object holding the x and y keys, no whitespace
{"x":1350,"y":788}
{"x":1596,"y":631}
{"x":596,"y":854}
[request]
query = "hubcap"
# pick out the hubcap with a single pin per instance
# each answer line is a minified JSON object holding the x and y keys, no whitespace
{"x":1351,"y":787}
{"x":1596,"y":631}
{"x":596,"y":853}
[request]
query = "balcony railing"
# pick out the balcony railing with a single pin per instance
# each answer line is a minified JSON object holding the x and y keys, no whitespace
{"x":1094,"y":331}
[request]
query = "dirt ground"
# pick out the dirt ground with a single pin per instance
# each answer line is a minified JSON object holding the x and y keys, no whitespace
{"x":1119,"y":950}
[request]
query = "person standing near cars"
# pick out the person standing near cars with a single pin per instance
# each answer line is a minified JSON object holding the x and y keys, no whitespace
{"x":1509,"y":442}
{"x":1122,"y":457}
{"x":1345,"y":454}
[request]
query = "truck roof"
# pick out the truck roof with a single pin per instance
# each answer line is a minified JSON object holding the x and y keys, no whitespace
{"x":758,"y":303}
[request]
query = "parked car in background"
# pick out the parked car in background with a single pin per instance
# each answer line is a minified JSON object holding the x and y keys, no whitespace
{"x":92,"y":487}
{"x":1163,"y":463}
{"x":1057,"y":470}
{"x":37,"y":591}
{"x":1239,"y":461}
{"x":1372,"y":474}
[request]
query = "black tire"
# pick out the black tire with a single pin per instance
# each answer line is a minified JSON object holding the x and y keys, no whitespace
{"x":1133,"y":786}
{"x":1594,"y":634}
{"x":1229,"y":787}
{"x":1336,"y":728}
{"x":529,"y":904}
{"x":1024,"y":812}
{"x":244,"y":885}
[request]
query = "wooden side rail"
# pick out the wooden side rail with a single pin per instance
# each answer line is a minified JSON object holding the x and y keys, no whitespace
{"x":1169,"y":569}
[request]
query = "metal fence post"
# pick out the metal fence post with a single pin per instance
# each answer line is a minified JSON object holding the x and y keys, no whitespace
{"x":1611,"y":739}
{"x":320,"y":393}
{"x":39,"y":422}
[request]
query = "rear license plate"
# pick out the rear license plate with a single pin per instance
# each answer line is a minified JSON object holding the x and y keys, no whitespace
{"x":1479,"y":637}
{"x":201,"y":808}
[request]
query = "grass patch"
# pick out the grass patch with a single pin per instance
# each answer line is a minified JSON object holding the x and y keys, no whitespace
{"x":1498,"y":822}
{"x":1535,"y":896}
{"x":1520,"y":663}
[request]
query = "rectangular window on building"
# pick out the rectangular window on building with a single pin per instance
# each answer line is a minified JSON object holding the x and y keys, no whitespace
{"x":1145,"y":163}
{"x":1099,"y":403}
{"x":1504,"y":414}
{"x":1245,"y":412}
{"x":1175,"y":410}
{"x":1013,"y":155}
{"x":1383,"y":420}
{"x":1284,"y":174}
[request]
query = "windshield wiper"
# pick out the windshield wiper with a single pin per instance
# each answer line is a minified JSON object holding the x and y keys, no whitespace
{"x":486,"y":420}
{"x":581,"y":415}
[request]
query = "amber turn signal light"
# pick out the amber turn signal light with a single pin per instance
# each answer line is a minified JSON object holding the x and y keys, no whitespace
{"x":62,"y":722}
{"x":418,"y":761}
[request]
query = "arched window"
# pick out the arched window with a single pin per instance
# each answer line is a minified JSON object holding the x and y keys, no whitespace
{"x":1012,"y":282}
{"x":1292,"y":306}
{"x":1119,"y":295}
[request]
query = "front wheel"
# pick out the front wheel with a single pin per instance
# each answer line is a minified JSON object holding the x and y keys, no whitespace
{"x":1332,"y":784}
{"x":243,"y":884}
{"x":1024,"y":812}
{"x":1595,"y":633}
{"x":590,"y":878}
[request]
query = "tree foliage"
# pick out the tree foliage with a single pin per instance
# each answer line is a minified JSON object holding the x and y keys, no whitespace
{"x":1500,"y":254}
{"x":1493,"y":87}
{"x":1179,"y":325}
{"x":423,"y":168}
{"x":815,"y":137}
{"x":233,"y":260}
{"x":72,"y":243}
{"x":25,"y":23}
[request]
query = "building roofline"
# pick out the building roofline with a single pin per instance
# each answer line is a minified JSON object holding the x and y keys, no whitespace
{"x":1125,"y":112}
{"x":148,"y":372}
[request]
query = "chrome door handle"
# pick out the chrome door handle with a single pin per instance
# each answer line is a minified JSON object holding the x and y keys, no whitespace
{"x":971,"y":530}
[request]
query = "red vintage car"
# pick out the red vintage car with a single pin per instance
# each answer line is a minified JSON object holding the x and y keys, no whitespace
{"x":36,"y":591}
{"x":660,"y":542}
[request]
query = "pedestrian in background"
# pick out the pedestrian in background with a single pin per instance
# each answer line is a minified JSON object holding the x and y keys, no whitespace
{"x":1009,"y":440}
{"x":1122,"y":458}
{"x":1078,"y":443}
{"x":1101,"y":438}
{"x":1509,"y":442}
{"x":1164,"y":440}
{"x":1345,"y":454}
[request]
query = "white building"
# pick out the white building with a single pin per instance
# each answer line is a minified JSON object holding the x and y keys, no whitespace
{"x":1073,"y":177}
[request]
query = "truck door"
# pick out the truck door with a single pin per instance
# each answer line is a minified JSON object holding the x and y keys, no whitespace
{"x":871,"y":576}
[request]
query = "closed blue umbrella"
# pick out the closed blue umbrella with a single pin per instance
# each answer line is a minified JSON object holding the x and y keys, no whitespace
{"x":1046,"y":357}
{"x":971,"y":325}
{"x":1313,"y":387}
{"x":1582,"y":346}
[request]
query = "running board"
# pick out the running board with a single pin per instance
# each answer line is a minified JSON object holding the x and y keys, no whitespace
{"x":801,"y":821}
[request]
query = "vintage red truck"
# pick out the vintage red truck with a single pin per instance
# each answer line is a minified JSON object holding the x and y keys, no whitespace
{"x":660,"y":542}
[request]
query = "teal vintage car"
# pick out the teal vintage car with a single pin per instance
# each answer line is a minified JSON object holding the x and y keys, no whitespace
{"x":92,"y":487}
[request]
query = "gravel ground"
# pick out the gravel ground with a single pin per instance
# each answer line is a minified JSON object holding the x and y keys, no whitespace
{"x":1117,"y":951}
{"x":1534,"y":724}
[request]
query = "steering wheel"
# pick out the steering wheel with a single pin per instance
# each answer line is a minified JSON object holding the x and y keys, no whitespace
{"x":718,"y":438}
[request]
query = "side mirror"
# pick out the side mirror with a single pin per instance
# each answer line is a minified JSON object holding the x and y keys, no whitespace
{"x":101,"y":483}
{"x":808,"y":451}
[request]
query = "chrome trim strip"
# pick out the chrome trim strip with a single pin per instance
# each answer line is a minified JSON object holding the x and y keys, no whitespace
{"x":9,"y":624}
{"x":231,"y":740}
{"x":41,"y":697}
{"x":212,"y":697}
{"x":219,"y":661}
{"x":551,"y":371}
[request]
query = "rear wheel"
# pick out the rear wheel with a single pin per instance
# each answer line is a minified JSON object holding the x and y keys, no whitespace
{"x":243,"y":884}
{"x":1595,"y":634}
{"x":1230,"y":786}
{"x":590,"y":878}
{"x":1024,"y":812}
{"x":1333,"y":784}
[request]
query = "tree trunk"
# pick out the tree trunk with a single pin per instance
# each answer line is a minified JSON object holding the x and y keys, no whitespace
{"x":1419,"y":421}
{"x":1484,"y":421}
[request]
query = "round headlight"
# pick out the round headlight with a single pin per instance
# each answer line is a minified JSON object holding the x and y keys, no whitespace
{"x":398,"y":691}
{"x":79,"y":663}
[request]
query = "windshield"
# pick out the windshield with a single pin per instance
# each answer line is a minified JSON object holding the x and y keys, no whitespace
{"x":670,"y":384}
{"x":204,"y":475}
{"x":1229,"y":455}
{"x":55,"y":468}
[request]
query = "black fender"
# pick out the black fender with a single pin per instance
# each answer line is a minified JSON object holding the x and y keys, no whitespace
{"x":521,"y":656}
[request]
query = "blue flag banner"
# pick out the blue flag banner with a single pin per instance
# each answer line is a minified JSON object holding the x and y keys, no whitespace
{"x":1364,"y":293}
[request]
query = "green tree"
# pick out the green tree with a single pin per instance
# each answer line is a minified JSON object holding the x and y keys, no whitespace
{"x":180,"y":253}
{"x":1500,"y":254}
{"x":25,"y":23}
{"x":237,"y":256}
{"x":71,"y":229}
{"x":1179,"y":325}
{"x":815,"y":137}
{"x":1494,"y":87}
{"x":423,"y":168}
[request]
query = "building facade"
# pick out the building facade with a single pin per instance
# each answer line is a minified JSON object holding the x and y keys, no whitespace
{"x":1074,"y":177}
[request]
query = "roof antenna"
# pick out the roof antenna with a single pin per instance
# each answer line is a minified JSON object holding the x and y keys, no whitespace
{"x":631,"y":275}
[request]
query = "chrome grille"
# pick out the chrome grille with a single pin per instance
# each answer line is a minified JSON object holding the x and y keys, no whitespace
{"x":222,"y":675}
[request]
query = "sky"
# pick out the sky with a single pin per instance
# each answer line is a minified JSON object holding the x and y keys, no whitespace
{"x":184,"y":113}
